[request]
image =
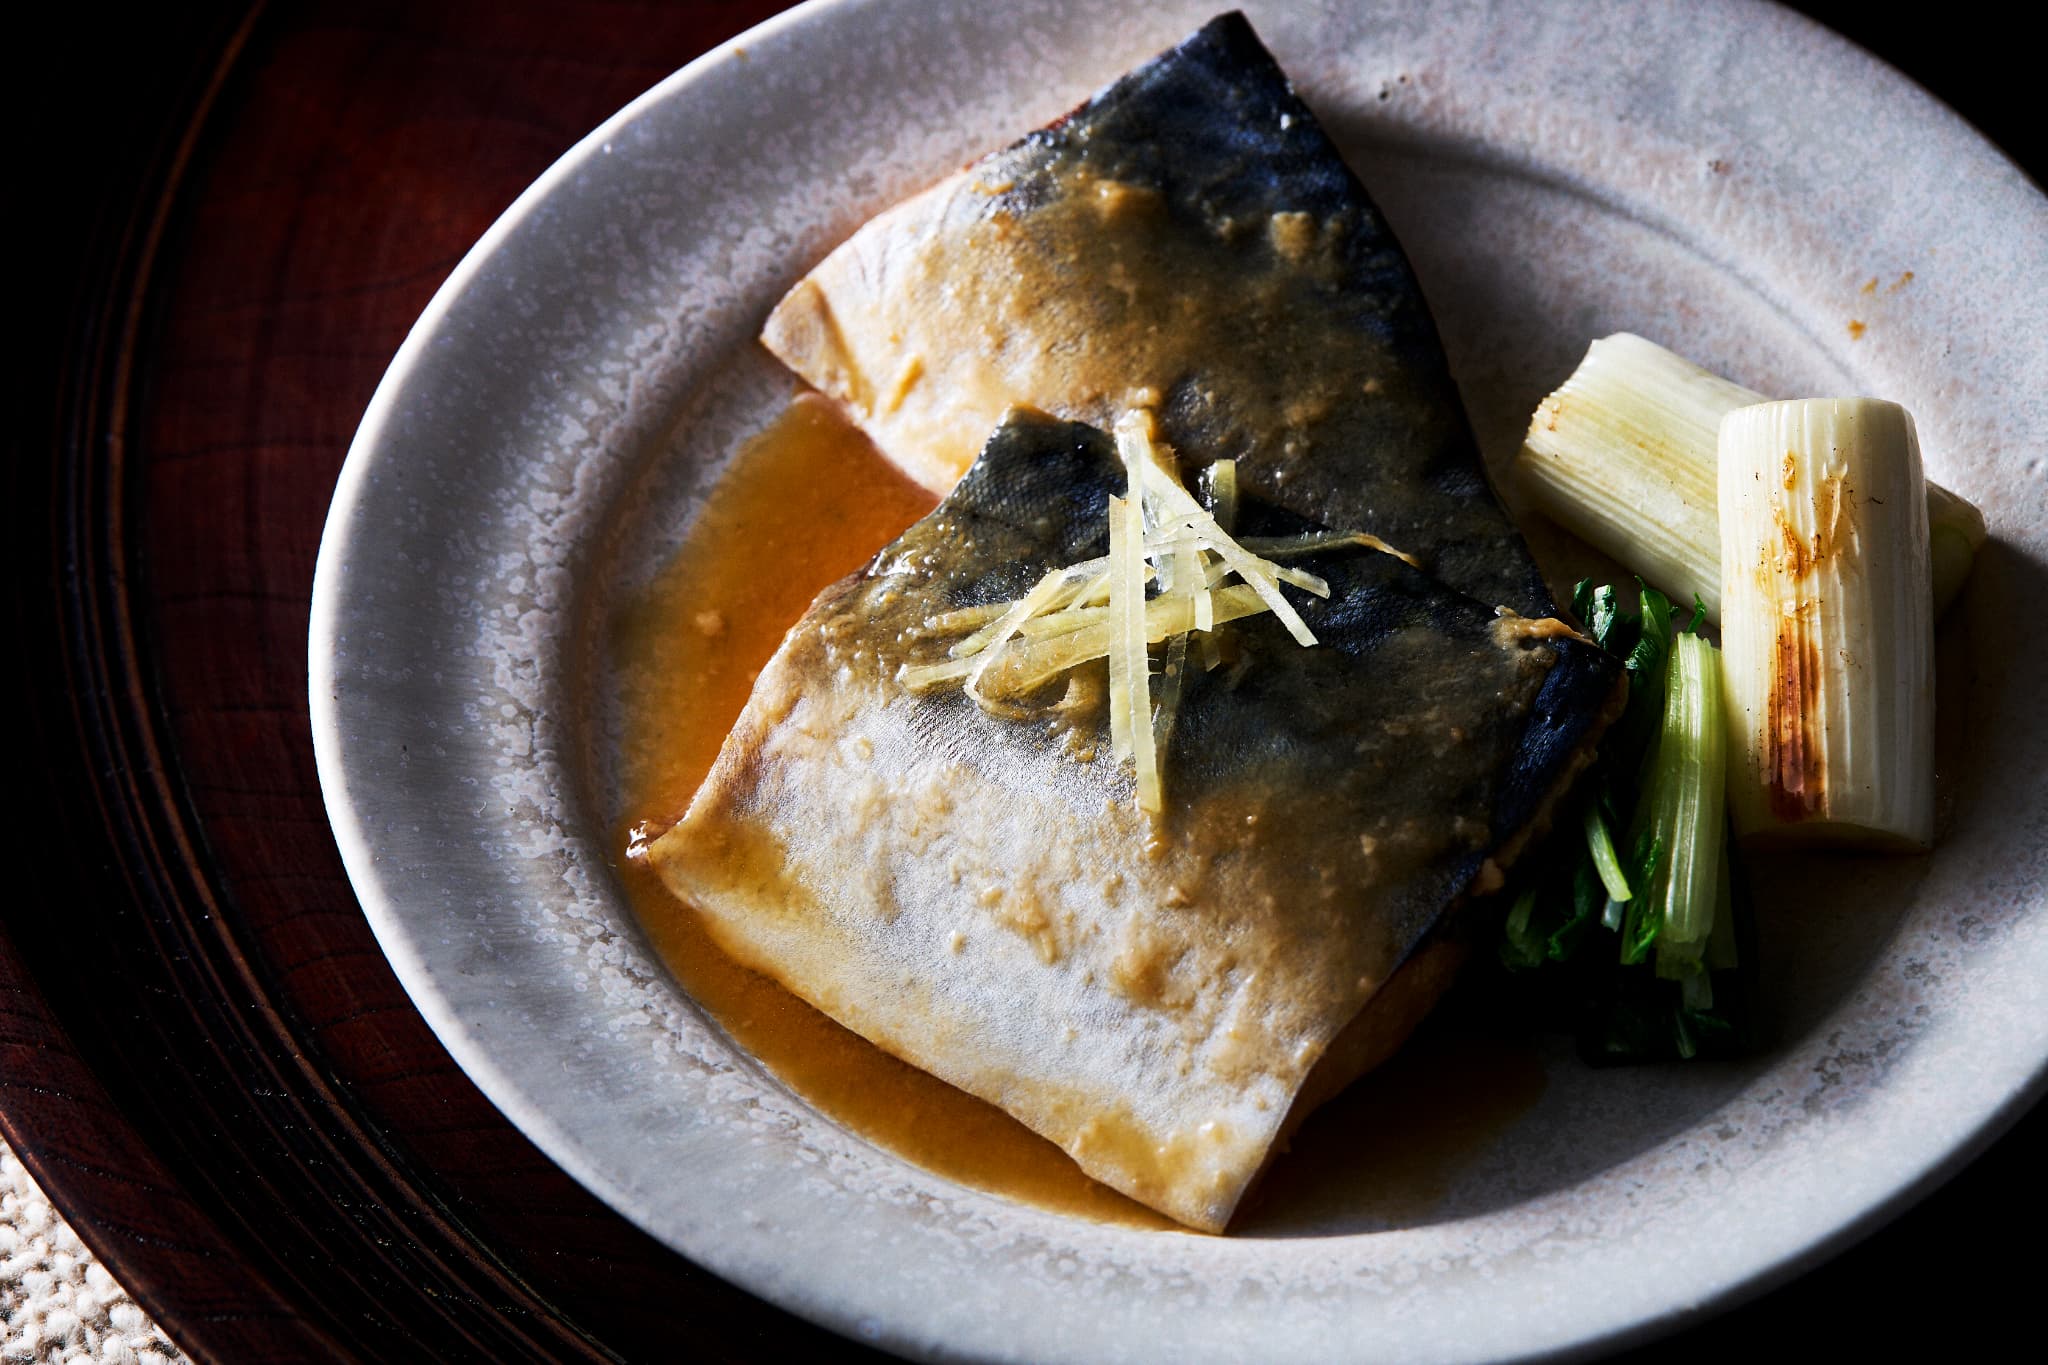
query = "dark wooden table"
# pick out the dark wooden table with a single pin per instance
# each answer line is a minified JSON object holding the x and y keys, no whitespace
{"x":232,"y":218}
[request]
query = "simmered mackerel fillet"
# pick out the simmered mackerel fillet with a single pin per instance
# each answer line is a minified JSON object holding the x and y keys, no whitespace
{"x":1189,"y":240}
{"x":976,"y":893}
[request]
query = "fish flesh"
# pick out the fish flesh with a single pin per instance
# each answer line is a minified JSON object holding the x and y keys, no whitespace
{"x":975,"y":892}
{"x":968,"y":882}
{"x":1188,"y":241}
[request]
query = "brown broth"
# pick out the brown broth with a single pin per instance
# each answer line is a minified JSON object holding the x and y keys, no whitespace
{"x":806,"y":502}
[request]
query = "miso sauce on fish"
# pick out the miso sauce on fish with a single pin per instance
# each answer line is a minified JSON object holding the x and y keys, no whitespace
{"x":1162,"y":969}
{"x":969,"y":893}
{"x":808,"y":500}
{"x":1188,"y":240}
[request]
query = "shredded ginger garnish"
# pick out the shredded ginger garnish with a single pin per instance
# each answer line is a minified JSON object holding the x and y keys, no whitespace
{"x":1158,"y":532}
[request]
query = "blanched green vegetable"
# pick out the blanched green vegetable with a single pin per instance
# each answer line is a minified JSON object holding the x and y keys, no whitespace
{"x":1635,"y":941}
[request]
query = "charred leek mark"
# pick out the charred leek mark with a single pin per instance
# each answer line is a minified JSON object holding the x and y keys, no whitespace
{"x":1828,"y":623}
{"x":1624,"y":455}
{"x":1161,"y":534}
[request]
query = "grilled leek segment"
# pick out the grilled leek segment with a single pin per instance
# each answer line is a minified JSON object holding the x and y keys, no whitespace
{"x":1827,"y":631}
{"x":1622,"y":455}
{"x":1955,"y":532}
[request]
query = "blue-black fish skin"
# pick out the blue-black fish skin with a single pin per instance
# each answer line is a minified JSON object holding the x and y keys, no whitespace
{"x":976,"y":888}
{"x":1397,"y":652}
{"x":1215,"y":127}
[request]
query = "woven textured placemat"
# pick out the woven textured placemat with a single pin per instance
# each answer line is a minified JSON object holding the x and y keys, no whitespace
{"x":58,"y":1304}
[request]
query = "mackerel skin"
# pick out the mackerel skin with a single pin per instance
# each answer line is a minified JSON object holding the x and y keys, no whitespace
{"x":1191,"y":241}
{"x":977,"y":893}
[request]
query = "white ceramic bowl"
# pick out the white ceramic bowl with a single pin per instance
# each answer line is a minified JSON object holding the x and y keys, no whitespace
{"x":1723,"y":177}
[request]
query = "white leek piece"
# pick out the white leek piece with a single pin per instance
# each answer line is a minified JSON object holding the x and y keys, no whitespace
{"x":1955,"y":532}
{"x":1828,"y":628}
{"x":1622,"y":455}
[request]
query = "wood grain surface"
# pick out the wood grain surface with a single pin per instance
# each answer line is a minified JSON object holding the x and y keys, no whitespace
{"x":209,"y":1063}
{"x":236,"y":215}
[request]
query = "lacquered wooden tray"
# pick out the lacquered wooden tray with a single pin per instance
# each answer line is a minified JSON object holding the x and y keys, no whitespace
{"x":236,"y":216}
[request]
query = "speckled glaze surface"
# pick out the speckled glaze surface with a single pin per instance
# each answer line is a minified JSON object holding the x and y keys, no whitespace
{"x":1726,"y":178}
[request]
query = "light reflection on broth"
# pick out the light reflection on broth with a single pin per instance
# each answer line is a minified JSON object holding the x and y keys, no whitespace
{"x":806,"y":502}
